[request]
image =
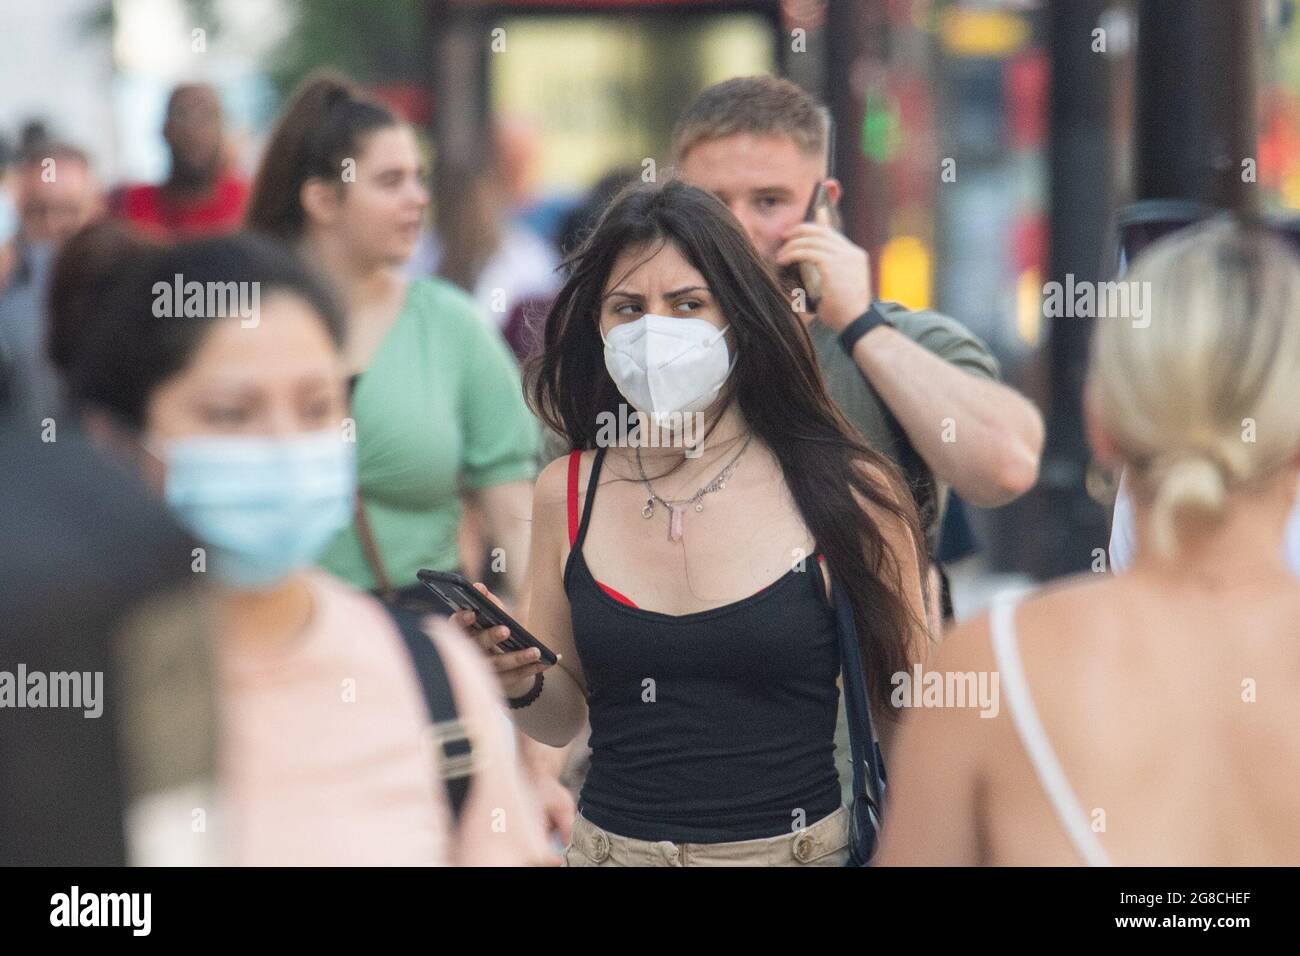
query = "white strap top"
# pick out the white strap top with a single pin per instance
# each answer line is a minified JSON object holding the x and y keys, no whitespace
{"x":1007,"y":654}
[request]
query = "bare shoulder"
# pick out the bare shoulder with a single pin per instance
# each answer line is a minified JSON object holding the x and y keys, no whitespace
{"x":552,"y":483}
{"x":551,"y":494}
{"x":1073,"y":630}
{"x":1069,"y":605}
{"x":550,"y":506}
{"x":1045,"y":610}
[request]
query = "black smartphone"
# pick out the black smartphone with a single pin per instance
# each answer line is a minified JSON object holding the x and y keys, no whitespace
{"x":812,"y":279}
{"x":804,"y":274}
{"x":459,"y":595}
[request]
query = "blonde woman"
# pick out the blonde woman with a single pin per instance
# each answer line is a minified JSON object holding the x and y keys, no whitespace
{"x":1149,"y":718}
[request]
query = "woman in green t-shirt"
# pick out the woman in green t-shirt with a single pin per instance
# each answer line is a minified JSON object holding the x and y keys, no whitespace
{"x":437,"y":404}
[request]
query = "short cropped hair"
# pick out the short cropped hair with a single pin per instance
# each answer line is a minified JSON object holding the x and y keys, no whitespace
{"x":758,"y":105}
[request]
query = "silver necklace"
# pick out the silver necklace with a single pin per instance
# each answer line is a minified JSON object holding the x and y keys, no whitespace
{"x":677,"y":508}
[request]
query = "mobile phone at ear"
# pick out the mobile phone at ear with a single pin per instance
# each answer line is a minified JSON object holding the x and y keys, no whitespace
{"x":812,"y":280}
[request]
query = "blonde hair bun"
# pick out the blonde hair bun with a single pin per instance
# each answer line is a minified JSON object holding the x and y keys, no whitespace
{"x":1192,"y":485}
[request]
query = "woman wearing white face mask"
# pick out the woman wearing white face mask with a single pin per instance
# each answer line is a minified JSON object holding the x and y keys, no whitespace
{"x":234,"y":412}
{"x":682,"y":578}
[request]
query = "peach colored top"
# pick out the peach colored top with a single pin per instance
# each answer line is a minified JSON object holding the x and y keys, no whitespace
{"x":325,"y":757}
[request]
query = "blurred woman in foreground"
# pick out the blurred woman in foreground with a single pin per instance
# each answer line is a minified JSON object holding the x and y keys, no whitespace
{"x":1150,"y":718}
{"x":231,"y":404}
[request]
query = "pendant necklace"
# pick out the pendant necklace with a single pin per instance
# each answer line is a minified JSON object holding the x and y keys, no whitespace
{"x":677,"y":508}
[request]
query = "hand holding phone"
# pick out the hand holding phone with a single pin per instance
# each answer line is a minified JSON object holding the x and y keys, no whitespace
{"x":818,"y":212}
{"x":833,"y":272}
{"x":515,"y":655}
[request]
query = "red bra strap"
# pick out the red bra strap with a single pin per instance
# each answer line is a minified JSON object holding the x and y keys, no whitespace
{"x":575,"y":457}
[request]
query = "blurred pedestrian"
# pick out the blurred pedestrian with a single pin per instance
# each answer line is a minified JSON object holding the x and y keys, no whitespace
{"x":1150,"y":718}
{"x":437,"y":402}
{"x":233,"y":412}
{"x":478,"y":246}
{"x":57,"y":194}
{"x":523,"y":328}
{"x":202,"y":194}
{"x":98,"y":598}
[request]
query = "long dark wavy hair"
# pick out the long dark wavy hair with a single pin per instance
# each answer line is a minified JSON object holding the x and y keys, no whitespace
{"x":776,"y":382}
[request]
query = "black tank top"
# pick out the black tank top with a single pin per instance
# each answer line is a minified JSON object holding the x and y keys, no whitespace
{"x":712,"y":726}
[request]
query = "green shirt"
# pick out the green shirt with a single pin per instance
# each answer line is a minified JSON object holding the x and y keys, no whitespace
{"x":857,"y":399}
{"x":439,"y":411}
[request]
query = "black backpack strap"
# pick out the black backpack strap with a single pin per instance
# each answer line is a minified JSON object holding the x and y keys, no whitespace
{"x":456,"y":752}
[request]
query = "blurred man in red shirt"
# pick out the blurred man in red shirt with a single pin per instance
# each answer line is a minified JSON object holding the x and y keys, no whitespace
{"x":201,"y":195}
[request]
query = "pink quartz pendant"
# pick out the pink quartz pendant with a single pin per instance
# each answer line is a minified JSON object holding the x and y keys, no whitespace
{"x":675,"y":523}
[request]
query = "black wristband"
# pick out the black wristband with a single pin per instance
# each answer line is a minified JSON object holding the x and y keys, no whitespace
{"x":517,"y":702}
{"x":860,"y":326}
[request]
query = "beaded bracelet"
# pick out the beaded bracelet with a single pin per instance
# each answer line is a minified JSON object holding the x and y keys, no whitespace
{"x":517,"y":702}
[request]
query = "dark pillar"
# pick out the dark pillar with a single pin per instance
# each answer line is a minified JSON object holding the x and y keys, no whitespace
{"x":1069,"y":524}
{"x":855,"y":65}
{"x":1196,"y":117}
{"x":459,"y":45}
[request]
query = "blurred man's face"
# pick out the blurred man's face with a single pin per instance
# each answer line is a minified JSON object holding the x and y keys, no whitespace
{"x":55,"y":199}
{"x":193,"y":131}
{"x":766,"y":182}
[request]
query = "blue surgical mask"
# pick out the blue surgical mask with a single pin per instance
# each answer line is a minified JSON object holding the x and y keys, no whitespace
{"x":263,"y":507}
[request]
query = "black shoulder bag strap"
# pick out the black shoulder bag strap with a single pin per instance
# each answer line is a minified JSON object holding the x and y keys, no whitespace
{"x":456,"y":754}
{"x":868,"y":806}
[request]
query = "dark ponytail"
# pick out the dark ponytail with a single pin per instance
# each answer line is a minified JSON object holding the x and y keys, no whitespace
{"x":325,"y":123}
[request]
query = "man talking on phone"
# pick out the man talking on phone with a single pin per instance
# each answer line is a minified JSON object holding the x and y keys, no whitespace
{"x":918,"y":385}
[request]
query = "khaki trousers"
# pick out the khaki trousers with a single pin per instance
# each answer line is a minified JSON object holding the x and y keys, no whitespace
{"x":824,"y":843}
